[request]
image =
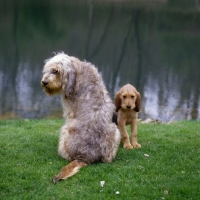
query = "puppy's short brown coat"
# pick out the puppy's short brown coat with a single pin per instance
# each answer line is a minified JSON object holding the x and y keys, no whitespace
{"x":128,"y":103}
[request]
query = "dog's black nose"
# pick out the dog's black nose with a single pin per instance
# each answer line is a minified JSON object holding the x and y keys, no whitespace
{"x":44,"y":82}
{"x":128,"y":106}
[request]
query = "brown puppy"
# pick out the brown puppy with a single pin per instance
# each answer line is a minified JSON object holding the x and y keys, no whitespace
{"x":128,"y":102}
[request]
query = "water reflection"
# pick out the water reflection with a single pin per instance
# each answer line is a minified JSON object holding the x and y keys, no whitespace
{"x":168,"y":110}
{"x":152,"y":46}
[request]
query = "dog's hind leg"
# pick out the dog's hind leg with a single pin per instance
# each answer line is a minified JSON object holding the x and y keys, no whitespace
{"x":69,"y":170}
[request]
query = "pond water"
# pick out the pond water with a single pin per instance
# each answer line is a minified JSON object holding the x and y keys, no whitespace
{"x":154,"y":46}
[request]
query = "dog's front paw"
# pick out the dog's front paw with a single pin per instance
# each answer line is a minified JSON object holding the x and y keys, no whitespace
{"x":136,"y":145}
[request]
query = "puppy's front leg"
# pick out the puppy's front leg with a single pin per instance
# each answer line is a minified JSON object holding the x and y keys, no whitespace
{"x":134,"y":141}
{"x":124,"y":134}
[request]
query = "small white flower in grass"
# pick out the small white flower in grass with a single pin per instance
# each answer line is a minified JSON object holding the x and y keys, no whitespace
{"x":102,"y":183}
{"x":141,"y":168}
{"x":146,"y":155}
{"x":117,"y":192}
{"x":166,"y":192}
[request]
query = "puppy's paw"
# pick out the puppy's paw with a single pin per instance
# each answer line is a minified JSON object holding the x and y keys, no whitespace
{"x":136,"y":145}
{"x":128,"y":146}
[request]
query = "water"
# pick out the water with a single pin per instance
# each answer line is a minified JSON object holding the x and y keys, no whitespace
{"x":154,"y":46}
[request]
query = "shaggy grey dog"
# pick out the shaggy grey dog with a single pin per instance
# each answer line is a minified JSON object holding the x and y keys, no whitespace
{"x":88,"y":135}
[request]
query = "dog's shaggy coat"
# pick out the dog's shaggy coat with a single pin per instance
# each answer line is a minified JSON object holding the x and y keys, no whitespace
{"x":128,"y":103}
{"x":88,"y":135}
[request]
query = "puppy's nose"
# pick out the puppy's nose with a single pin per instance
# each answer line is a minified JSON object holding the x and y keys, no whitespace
{"x":128,"y":107}
{"x":44,"y":83}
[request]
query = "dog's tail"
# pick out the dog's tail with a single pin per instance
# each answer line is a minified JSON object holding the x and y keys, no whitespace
{"x":69,"y":170}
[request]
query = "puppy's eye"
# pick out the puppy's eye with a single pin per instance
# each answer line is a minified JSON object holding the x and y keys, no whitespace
{"x":124,"y":96}
{"x":132,"y":96}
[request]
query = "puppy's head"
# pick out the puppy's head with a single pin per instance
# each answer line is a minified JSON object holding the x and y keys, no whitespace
{"x":128,"y":98}
{"x":58,"y":75}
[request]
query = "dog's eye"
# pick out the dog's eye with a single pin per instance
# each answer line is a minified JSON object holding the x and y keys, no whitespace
{"x":132,"y":96}
{"x":124,"y":96}
{"x":55,"y":71}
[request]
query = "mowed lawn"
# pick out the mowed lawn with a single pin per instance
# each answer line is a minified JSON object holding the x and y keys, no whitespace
{"x":166,"y":167}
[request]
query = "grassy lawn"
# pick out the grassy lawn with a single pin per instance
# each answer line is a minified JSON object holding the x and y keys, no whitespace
{"x":166,"y":167}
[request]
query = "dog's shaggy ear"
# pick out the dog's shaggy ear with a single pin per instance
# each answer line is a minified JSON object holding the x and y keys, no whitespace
{"x":117,"y":101}
{"x":137,"y":102}
{"x":69,"y":79}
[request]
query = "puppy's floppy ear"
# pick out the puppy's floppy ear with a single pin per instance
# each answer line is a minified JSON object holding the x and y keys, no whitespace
{"x":117,"y":101}
{"x":137,"y":102}
{"x":114,"y":118}
{"x":69,"y":79}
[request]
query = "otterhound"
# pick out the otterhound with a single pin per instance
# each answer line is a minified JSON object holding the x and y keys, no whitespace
{"x":88,"y":135}
{"x":127,"y":102}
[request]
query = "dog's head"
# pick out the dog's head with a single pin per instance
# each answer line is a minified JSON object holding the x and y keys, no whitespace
{"x":58,"y":75}
{"x":128,"y":98}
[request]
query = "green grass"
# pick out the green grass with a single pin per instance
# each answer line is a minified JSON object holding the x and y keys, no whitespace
{"x":29,"y":160}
